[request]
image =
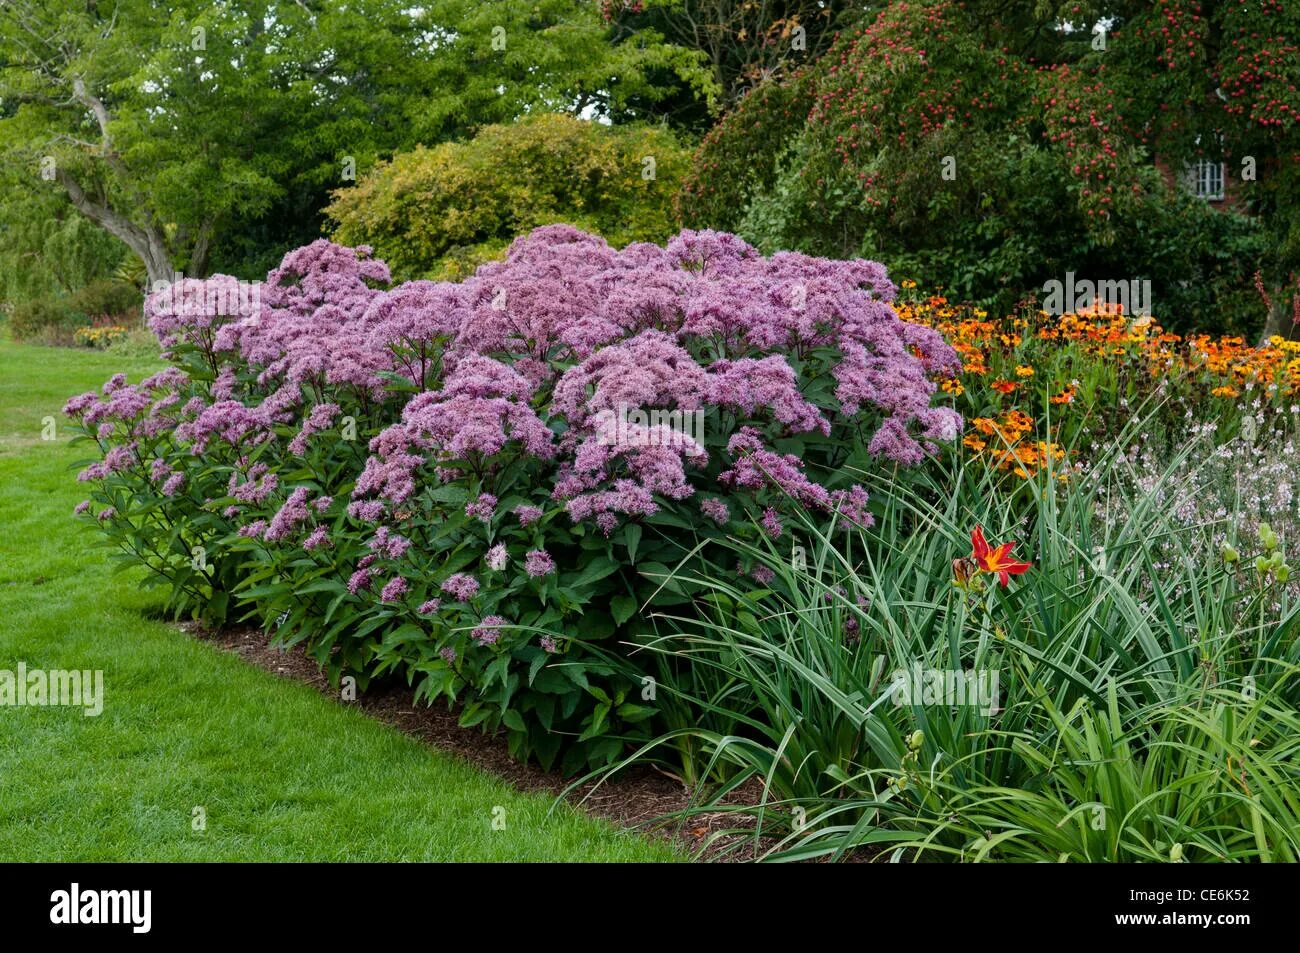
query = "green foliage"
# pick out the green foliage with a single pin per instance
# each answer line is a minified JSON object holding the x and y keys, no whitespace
{"x":212,"y":135}
{"x":44,"y":318}
{"x":55,"y":320}
{"x":1146,"y":708}
{"x":932,"y":141}
{"x":743,"y":42}
{"x":740,"y":157}
{"x":1227,"y":91}
{"x":46,"y":248}
{"x":439,"y":213}
{"x":107,"y":298}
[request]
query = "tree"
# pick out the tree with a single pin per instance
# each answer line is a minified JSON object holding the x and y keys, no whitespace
{"x":1220,"y":79}
{"x":172,"y":126}
{"x":991,"y":144}
{"x":745,"y":42}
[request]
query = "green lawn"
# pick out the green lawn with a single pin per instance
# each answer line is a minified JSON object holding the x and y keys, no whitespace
{"x":280,"y":772}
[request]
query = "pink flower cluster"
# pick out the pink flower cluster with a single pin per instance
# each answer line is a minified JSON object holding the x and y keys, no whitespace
{"x":537,"y":360}
{"x":542,"y":351}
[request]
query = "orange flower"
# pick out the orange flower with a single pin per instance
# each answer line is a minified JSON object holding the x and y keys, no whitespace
{"x":1004,"y":386}
{"x":1019,"y":420}
{"x":994,"y":559}
{"x":1024,"y":370}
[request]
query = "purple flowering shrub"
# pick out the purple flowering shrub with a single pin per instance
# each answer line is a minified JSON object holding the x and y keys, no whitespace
{"x":480,"y":486}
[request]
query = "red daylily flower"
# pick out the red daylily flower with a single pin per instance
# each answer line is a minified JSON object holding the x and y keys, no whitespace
{"x":994,"y":558}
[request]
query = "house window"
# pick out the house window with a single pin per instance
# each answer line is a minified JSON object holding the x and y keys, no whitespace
{"x":1207,"y":177}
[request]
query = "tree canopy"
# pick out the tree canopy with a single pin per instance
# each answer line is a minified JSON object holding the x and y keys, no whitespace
{"x":988,"y":145}
{"x":197,"y":132}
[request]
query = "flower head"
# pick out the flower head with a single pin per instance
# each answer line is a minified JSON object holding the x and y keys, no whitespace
{"x":716,"y":510}
{"x":464,"y":587}
{"x":538,"y":562}
{"x":489,"y":630}
{"x":994,"y":559}
{"x":482,"y":508}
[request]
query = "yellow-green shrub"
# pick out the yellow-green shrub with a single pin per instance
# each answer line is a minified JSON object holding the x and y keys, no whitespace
{"x":440,"y":212}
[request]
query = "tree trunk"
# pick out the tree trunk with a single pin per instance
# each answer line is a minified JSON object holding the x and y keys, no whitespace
{"x":202,"y":246}
{"x":157,"y":260}
{"x":147,"y":241}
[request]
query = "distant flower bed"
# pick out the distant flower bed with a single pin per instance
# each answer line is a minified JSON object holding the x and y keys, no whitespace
{"x":1034,"y":384}
{"x":100,"y":335}
{"x":481,"y":486}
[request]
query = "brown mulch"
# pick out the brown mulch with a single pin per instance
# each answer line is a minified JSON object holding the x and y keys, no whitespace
{"x":637,"y":797}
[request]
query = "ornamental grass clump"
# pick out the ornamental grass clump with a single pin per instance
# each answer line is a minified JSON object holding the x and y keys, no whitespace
{"x":476,"y":485}
{"x":891,"y":699}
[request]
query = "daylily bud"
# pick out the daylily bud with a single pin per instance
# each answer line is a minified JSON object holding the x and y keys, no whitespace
{"x":916,"y":740}
{"x":1262,"y":565}
{"x":1230,"y":555}
{"x":1267,"y":537}
{"x":1282,"y":573}
{"x":1176,"y":853}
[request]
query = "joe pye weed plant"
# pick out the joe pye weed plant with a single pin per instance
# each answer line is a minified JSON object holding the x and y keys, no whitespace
{"x":419,"y":479}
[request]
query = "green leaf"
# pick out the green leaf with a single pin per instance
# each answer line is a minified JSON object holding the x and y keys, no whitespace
{"x":632,"y":537}
{"x":622,"y":608}
{"x":595,"y":570}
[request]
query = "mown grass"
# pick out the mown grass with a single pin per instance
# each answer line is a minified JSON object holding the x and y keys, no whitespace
{"x":279,"y":772}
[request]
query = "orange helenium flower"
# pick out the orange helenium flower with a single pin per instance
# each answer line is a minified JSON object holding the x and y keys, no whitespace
{"x":994,"y":559}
